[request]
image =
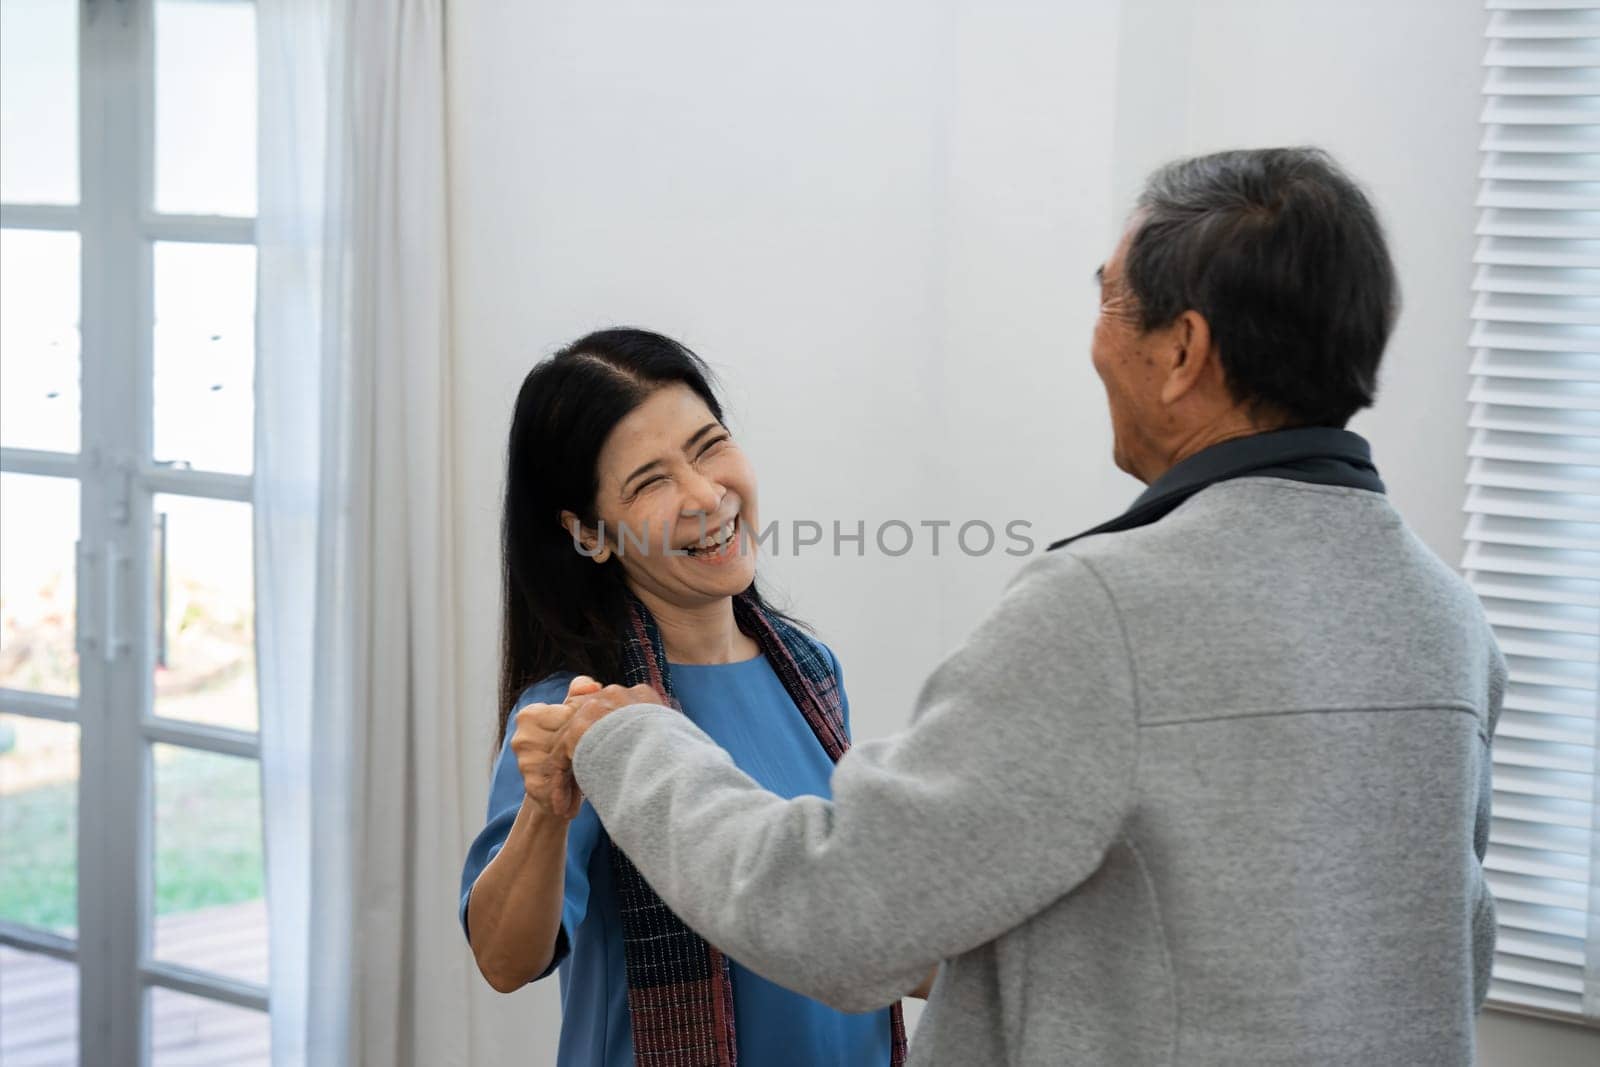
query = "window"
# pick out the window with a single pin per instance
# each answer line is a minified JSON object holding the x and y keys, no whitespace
{"x":1533,"y":501}
{"x":129,"y":784}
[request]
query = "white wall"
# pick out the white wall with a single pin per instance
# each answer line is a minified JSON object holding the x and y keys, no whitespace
{"x":873,"y":219}
{"x":879,"y":221}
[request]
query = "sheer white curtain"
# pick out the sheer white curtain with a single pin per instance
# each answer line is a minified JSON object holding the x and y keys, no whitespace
{"x":354,"y":582}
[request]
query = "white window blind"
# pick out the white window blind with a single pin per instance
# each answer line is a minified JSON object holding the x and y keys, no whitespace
{"x":1533,"y":498}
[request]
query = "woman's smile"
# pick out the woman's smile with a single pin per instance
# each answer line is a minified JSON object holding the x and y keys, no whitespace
{"x":718,"y":547}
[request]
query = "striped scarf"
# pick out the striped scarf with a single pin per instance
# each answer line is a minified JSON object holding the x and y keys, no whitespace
{"x":680,"y":991}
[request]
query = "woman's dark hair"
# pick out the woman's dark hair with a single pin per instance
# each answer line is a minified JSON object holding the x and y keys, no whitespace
{"x":561,"y":610}
{"x":1283,"y":254}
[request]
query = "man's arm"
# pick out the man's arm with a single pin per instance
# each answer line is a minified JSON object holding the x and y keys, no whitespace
{"x":1483,"y":918}
{"x":1002,"y":797}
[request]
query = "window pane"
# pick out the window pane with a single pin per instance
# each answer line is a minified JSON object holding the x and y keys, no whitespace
{"x":205,"y":355}
{"x":39,"y":101}
{"x":39,"y":340}
{"x":190,"y":1031}
{"x":205,"y":654}
{"x":39,"y":823}
{"x":38,"y":583}
{"x":38,"y":1010}
{"x":205,"y":107}
{"x":210,"y":911}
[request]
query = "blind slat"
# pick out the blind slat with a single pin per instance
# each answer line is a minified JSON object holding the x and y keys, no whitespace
{"x":1537,"y":281}
{"x":1555,"y":674}
{"x":1531,"y":477}
{"x":1539,"y":891}
{"x":1576,"y":450}
{"x":1571,"y":225}
{"x":1546,"y":975}
{"x":1576,"y":760}
{"x":1561,"y":922}
{"x":1561,"y":507}
{"x":1515,"y":993}
{"x":1542,"y":196}
{"x":1545,"y":139}
{"x":1512,"y":81}
{"x":1532,"y":783}
{"x":1553,"y":811}
{"x":1514,"y":559}
{"x":1506,"y":405}
{"x":1528,"y":835}
{"x":1521,"y":340}
{"x":1512,"y":166}
{"x":1543,"y":53}
{"x":1502,"y":365}
{"x":1544,"y":700}
{"x":1538,"y":24}
{"x":1501,"y":307}
{"x":1533,"y":533}
{"x":1548,"y":252}
{"x":1540,"y":5}
{"x":1547,"y":948}
{"x":1520,"y":615}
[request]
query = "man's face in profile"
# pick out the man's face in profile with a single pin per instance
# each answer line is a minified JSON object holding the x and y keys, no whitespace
{"x":1125,"y":367}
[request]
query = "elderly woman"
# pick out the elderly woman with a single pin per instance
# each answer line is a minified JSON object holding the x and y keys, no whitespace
{"x":627,"y":507}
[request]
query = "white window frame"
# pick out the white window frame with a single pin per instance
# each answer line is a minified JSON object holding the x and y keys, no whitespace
{"x":118,"y":480}
{"x":1533,"y":535}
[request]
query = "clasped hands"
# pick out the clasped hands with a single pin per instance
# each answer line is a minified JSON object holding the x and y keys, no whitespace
{"x":545,"y":736}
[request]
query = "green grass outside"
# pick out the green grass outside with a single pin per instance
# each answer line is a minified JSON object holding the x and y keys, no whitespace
{"x":208,"y":841}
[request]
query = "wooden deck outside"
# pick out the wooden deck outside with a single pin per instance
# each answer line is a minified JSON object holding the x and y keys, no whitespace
{"x":39,"y":998}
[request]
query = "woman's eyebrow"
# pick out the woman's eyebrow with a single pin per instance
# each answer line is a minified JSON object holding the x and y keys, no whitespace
{"x":641,"y":470}
{"x":701,"y":432}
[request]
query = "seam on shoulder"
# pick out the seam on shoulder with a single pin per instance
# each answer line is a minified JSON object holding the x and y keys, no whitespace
{"x":1445,"y":704}
{"x":1122,"y":630}
{"x":1132,"y":791}
{"x":1455,"y":706}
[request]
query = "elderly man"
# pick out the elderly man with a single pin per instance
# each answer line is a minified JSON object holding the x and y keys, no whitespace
{"x":1211,"y":784}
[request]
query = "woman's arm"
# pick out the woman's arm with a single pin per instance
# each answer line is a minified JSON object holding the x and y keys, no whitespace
{"x":514,"y":909}
{"x":514,"y":913}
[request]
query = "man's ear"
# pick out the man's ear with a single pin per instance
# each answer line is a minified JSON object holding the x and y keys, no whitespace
{"x":1194,"y":359}
{"x":586,"y":541}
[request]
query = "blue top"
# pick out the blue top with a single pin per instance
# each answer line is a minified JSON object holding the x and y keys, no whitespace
{"x":745,"y":709}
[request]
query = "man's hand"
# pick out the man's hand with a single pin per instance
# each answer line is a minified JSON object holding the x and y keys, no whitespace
{"x":591,"y":708}
{"x":546,"y":779}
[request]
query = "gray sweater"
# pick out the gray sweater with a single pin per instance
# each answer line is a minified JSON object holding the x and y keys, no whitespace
{"x":1212,"y":791}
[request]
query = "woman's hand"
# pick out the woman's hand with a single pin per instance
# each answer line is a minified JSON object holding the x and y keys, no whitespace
{"x":546,"y":776}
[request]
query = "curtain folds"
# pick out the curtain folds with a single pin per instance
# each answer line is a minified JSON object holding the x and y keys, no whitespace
{"x":354,"y":495}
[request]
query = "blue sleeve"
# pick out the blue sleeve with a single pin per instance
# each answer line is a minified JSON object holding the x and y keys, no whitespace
{"x":505,"y":800}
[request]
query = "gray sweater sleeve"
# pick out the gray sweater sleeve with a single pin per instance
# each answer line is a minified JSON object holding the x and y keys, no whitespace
{"x":1003,"y":795}
{"x":1483,"y":918}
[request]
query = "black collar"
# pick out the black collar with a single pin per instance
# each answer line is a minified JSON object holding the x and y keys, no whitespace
{"x":1320,"y":455}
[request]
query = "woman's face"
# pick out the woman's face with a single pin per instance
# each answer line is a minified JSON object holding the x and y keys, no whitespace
{"x":678,"y":499}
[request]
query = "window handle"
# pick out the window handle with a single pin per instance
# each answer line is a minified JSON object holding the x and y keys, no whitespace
{"x":115,"y":643}
{"x":85,"y":639}
{"x":162,"y":592}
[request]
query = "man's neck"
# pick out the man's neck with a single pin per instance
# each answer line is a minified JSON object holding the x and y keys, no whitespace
{"x":1230,"y":428}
